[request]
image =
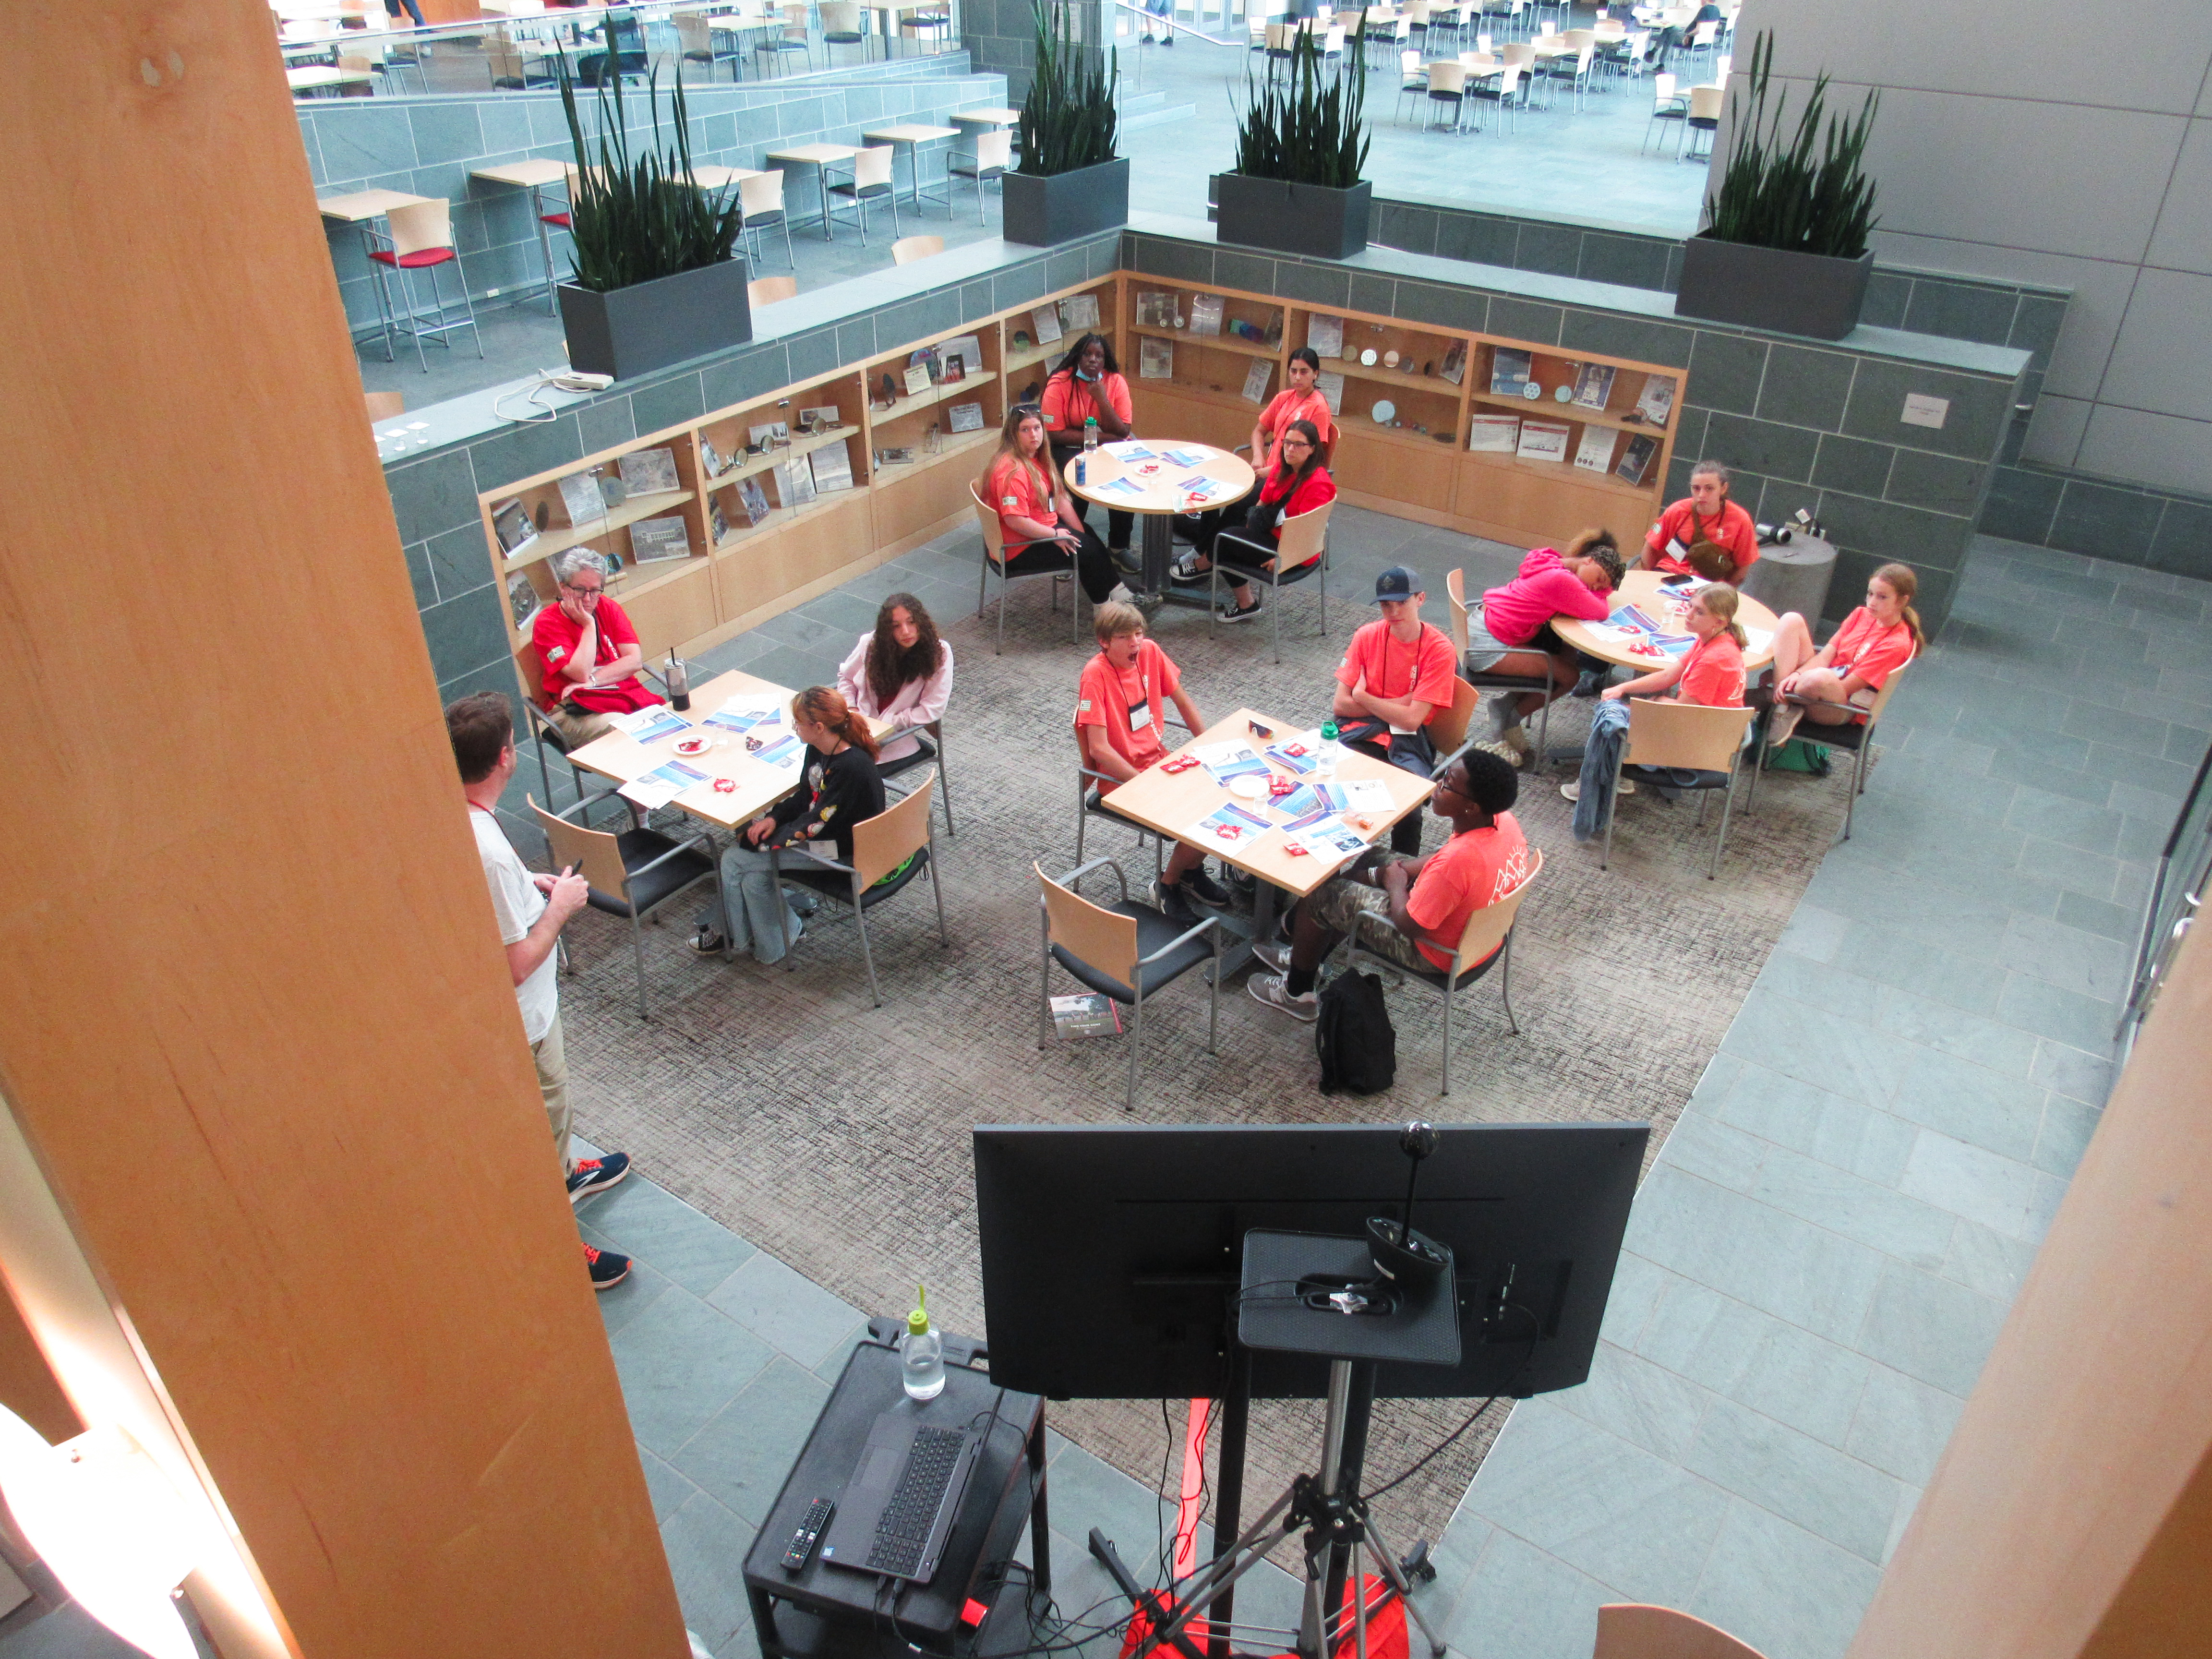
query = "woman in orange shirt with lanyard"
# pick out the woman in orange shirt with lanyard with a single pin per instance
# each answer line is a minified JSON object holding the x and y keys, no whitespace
{"x":1302,"y":402}
{"x":1036,"y":519}
{"x":1089,"y":385}
{"x":1837,"y":681}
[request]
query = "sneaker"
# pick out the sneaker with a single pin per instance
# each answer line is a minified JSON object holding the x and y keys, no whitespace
{"x":1132,"y":563}
{"x":1274,"y":953}
{"x":1515,"y":739}
{"x":596,"y":1175}
{"x":1591,"y":681}
{"x":1782,"y":723}
{"x":606,"y":1268}
{"x":1167,"y":39}
{"x":1236,"y":613}
{"x":1185,"y":568}
{"x":1273,"y":990}
{"x":1574,"y":791}
{"x":1173,"y":902}
{"x":708,"y":943}
{"x":1121,"y":595}
{"x":1203,"y":887}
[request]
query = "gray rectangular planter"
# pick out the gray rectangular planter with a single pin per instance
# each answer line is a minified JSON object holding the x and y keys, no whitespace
{"x":1041,"y":211}
{"x":1315,"y":219}
{"x":634,"y":331}
{"x":1772,"y":288}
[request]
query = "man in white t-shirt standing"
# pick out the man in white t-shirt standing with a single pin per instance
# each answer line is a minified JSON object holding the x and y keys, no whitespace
{"x":530,"y":909}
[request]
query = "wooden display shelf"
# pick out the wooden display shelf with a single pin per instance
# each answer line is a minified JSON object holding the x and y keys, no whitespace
{"x":1550,"y":409}
{"x":634,"y":582}
{"x":552,"y":542}
{"x":976,"y":384}
{"x":1426,"y":443}
{"x":1565,"y":471}
{"x":776,"y":458}
{"x":1199,"y":394}
{"x":890,"y":472}
{"x":1015,"y":362}
{"x":1381,"y":376}
{"x":1217,"y":342}
{"x":778,"y":516}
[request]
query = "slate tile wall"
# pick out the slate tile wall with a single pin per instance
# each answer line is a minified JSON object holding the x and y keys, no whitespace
{"x":433,"y":493}
{"x":2048,"y":506}
{"x":1001,"y":36}
{"x":1802,"y":426}
{"x":428,"y":147}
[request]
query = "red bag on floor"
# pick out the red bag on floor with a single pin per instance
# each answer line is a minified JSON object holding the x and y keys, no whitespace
{"x":1386,"y":1631}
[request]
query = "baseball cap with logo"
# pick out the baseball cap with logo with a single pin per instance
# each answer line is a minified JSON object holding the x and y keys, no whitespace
{"x":1398,"y":582}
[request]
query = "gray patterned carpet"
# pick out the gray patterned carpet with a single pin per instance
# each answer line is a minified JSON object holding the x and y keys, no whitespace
{"x":835,"y":1135}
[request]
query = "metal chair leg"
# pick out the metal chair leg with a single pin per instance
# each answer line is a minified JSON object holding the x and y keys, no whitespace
{"x":944,"y":939}
{"x":1446,"y":1089}
{"x":1213,"y":999}
{"x":1136,"y":1039}
{"x":1505,"y":985}
{"x":1612,"y":808}
{"x":867,"y":955}
{"x":1044,"y":976}
{"x":637,"y":952}
{"x":943,"y":790}
{"x":1728,"y":799}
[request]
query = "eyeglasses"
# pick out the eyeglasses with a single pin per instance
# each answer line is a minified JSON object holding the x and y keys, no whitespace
{"x":583,"y":592}
{"x":1026,"y":410}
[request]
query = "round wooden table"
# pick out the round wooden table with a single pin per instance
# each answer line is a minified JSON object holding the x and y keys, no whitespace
{"x":1641,"y":589}
{"x":1159,"y":495}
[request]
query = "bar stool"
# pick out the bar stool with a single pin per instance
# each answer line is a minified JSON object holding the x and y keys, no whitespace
{"x":421,"y":238}
{"x":871,"y":182}
{"x":760,"y":199}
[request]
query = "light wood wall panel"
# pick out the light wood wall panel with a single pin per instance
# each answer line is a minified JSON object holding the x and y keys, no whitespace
{"x":259,"y":1033}
{"x":2070,"y":1514}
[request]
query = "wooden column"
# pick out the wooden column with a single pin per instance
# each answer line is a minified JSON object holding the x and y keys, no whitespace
{"x":259,"y":1037}
{"x":2072,"y":1512}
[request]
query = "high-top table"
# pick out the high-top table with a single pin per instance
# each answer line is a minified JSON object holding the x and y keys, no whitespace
{"x":532,"y":175}
{"x":1152,"y":486}
{"x":821,"y":158}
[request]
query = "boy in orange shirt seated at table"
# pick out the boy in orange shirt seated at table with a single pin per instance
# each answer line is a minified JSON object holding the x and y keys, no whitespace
{"x":1396,"y":673}
{"x":1117,"y":722}
{"x":1428,"y":902}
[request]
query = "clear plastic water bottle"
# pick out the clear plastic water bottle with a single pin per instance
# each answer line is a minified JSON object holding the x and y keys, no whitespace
{"x":1090,"y":432}
{"x":1330,"y":753}
{"x":921,"y":1352}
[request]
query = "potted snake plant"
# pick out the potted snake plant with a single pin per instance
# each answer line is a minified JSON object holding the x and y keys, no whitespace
{"x":1301,"y":147}
{"x":656,"y":275}
{"x":1066,"y":182}
{"x":1784,"y":246}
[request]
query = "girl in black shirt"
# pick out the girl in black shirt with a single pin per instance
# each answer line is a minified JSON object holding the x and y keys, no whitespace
{"x":839,"y":788}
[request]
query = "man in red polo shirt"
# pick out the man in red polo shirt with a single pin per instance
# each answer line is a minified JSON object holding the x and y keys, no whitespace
{"x":1705,"y":515}
{"x":1396,"y":673}
{"x":587,"y":653}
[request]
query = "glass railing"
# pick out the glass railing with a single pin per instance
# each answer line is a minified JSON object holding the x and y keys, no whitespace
{"x":2183,"y":868}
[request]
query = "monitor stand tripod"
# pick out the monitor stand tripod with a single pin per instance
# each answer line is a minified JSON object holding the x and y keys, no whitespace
{"x":1276,"y":1313}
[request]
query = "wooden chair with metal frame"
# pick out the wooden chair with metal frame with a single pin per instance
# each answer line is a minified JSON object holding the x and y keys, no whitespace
{"x":1683,"y":737}
{"x":889,"y":851}
{"x":698,"y":43}
{"x":1666,"y":105}
{"x":632,"y":872}
{"x":770,"y":290}
{"x":930,"y":751}
{"x":1503,"y":684}
{"x":543,"y":731}
{"x":1124,"y":951}
{"x":908,"y":249}
{"x":1413,"y":81}
{"x":1447,"y":727}
{"x":1487,"y":942}
{"x":1498,"y":87}
{"x":870,"y":181}
{"x":991,"y":158}
{"x":761,"y":197}
{"x":1031,"y":559}
{"x":1446,"y":90}
{"x":1704,"y":116}
{"x":841,"y":26}
{"x":1300,"y":551}
{"x":1092,"y":788}
{"x":1854,"y":735}
{"x":792,"y":36}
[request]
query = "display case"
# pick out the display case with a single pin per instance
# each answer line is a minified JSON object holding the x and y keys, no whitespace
{"x":1216,"y":354}
{"x":1399,"y":393}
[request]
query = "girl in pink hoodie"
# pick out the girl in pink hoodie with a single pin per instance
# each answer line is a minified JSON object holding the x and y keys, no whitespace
{"x":1510,"y":631}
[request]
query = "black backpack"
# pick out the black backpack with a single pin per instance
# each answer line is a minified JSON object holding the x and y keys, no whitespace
{"x":1357,"y":1043}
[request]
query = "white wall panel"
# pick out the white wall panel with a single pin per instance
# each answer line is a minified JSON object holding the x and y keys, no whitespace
{"x":2162,"y":450}
{"x":2183,"y":240}
{"x":2159,"y":363}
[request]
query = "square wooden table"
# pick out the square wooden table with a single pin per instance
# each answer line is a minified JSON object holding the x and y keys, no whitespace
{"x":622,"y":758}
{"x":318,"y":79}
{"x":1170,"y":804}
{"x":534,"y":174}
{"x":912,"y":136}
{"x":821,"y":158}
{"x":711,"y":175}
{"x":986,"y":118}
{"x":362,"y":206}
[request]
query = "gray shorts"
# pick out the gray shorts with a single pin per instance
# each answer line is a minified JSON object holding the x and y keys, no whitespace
{"x":1484,"y":649}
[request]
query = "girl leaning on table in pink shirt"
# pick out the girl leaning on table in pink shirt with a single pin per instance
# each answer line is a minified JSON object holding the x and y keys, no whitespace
{"x":1836,"y":683}
{"x":1510,"y":632}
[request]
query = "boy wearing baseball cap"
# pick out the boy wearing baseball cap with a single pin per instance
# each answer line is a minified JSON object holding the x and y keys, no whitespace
{"x":1396,"y":673}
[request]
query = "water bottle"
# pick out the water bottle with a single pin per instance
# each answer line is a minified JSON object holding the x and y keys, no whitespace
{"x":921,"y":1352}
{"x":679,"y":684}
{"x":1090,"y":433}
{"x":1331,"y":750}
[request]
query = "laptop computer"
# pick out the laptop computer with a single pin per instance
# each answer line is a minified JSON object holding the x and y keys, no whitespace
{"x":898,"y":1508}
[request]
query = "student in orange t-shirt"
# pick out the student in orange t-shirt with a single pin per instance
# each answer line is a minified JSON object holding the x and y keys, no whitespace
{"x":1837,"y":681}
{"x":1037,"y":523}
{"x":1710,"y":672}
{"x":1395,"y":674}
{"x":1089,"y":385}
{"x":1302,"y":401}
{"x":1427,"y":902}
{"x":1117,"y":722}
{"x":1705,"y":515}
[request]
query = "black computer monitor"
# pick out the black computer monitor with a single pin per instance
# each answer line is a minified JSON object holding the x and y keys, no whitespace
{"x":1111,"y":1255}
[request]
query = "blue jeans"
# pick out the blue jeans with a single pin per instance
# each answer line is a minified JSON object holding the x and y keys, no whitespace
{"x":750,"y":902}
{"x":1601,"y":760}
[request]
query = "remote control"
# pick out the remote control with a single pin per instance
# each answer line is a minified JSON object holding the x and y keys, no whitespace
{"x":810,"y":1529}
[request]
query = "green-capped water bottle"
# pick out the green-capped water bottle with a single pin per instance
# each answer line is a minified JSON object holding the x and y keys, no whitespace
{"x":1330,"y":753}
{"x":921,"y":1352}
